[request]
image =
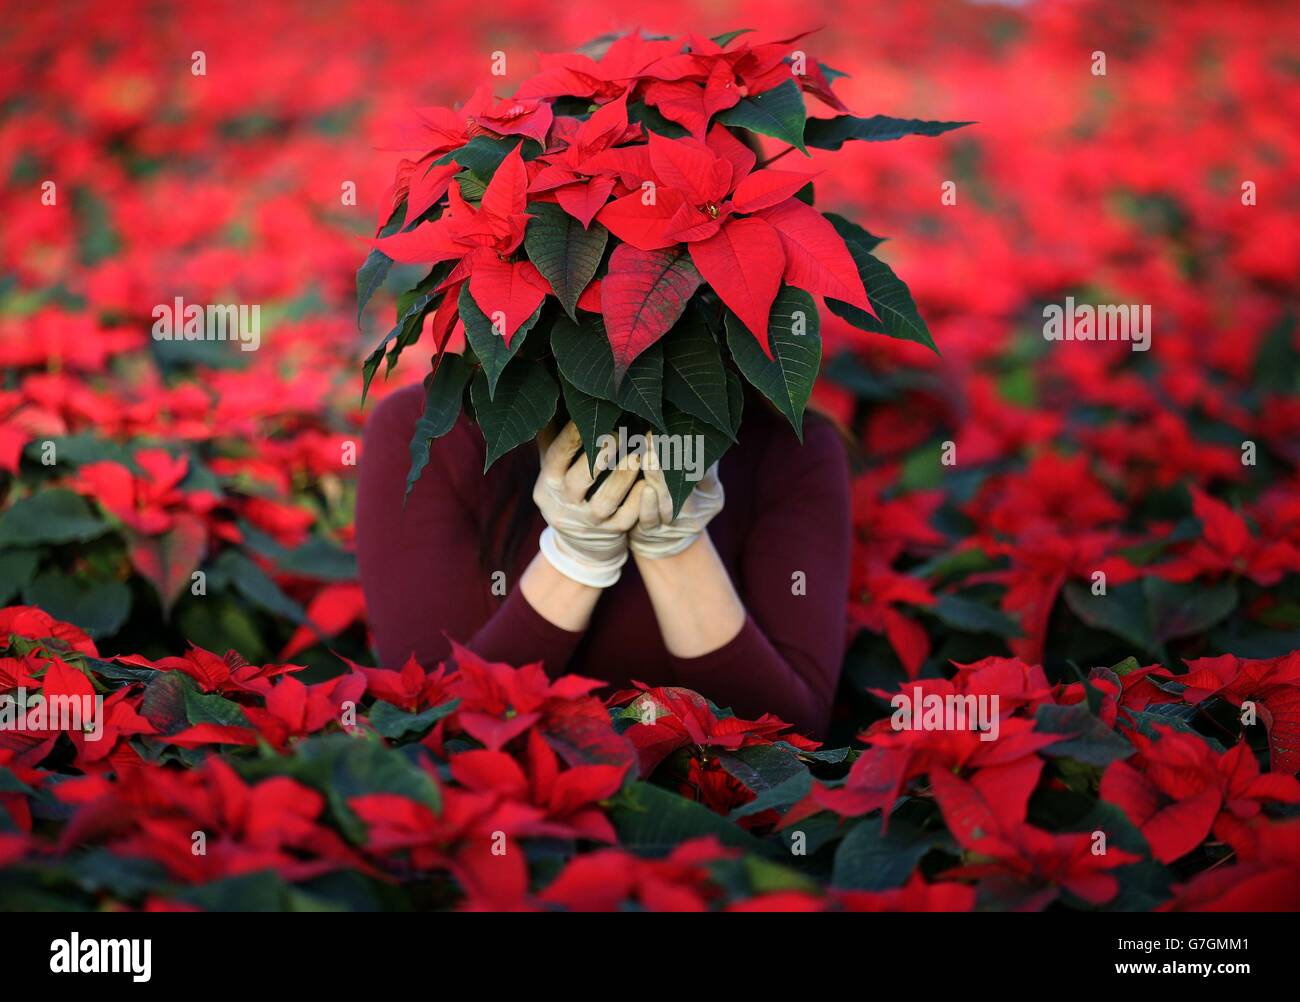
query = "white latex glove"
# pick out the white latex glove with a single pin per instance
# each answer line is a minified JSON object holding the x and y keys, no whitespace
{"x":585,"y":541}
{"x":657,"y":534}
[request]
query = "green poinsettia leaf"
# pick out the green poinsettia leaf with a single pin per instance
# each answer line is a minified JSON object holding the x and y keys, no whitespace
{"x":695,"y":445}
{"x":99,"y":607}
{"x":649,"y":118}
{"x":483,"y":154}
{"x":443,"y":390}
{"x":794,"y":336}
{"x":890,"y":298}
{"x":853,"y":234}
{"x":1084,"y":737}
{"x":566,"y":254}
{"x":394,"y":723}
{"x":16,"y":569}
{"x":50,"y":516}
{"x":735,"y":401}
{"x":524,"y":402}
{"x":585,"y":358}
{"x":410,"y":321}
{"x":1151,"y":612}
{"x":370,"y":278}
{"x":778,"y":113}
{"x":970,"y":616}
{"x":242,"y":574}
{"x":873,"y":858}
{"x":593,"y":416}
{"x":727,"y":37}
{"x":488,"y":344}
{"x":695,"y":379}
{"x":832,"y":133}
{"x":654,"y":821}
{"x":343,"y":767}
{"x":471,"y":186}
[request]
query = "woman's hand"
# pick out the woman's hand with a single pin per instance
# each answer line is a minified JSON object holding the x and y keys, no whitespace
{"x":585,"y":540}
{"x":657,"y":534}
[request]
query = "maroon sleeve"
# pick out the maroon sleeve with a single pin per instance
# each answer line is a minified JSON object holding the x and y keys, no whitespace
{"x":518,"y":635}
{"x":419,"y":564}
{"x":793,"y":579}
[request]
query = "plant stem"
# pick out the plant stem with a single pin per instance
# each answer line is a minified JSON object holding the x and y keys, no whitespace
{"x":774,"y":159}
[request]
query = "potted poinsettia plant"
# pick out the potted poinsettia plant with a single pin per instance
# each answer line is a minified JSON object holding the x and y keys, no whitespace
{"x":609,"y":242}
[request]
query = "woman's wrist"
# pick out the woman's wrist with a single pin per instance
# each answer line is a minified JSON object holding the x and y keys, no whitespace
{"x":695,"y":553}
{"x":558,"y":599}
{"x":694,"y":600}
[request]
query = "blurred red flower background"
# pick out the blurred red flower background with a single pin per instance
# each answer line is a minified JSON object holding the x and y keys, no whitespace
{"x":1106,"y":539}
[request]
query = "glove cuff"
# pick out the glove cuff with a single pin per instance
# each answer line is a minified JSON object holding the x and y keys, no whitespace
{"x":576,"y":566}
{"x":658,"y":548}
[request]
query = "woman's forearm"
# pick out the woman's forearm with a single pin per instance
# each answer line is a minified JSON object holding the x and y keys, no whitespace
{"x":559,"y":600}
{"x":693,"y":598}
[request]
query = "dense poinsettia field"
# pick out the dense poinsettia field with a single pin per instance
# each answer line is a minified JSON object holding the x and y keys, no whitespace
{"x":1107,"y":540}
{"x":209,"y":782}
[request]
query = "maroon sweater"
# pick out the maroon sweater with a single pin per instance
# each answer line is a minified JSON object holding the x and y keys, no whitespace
{"x":786,"y":511}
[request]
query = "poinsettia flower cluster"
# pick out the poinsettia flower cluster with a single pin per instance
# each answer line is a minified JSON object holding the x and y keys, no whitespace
{"x":650,"y":153}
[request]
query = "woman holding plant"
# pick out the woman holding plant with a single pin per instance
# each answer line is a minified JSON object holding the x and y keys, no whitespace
{"x":617,"y":257}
